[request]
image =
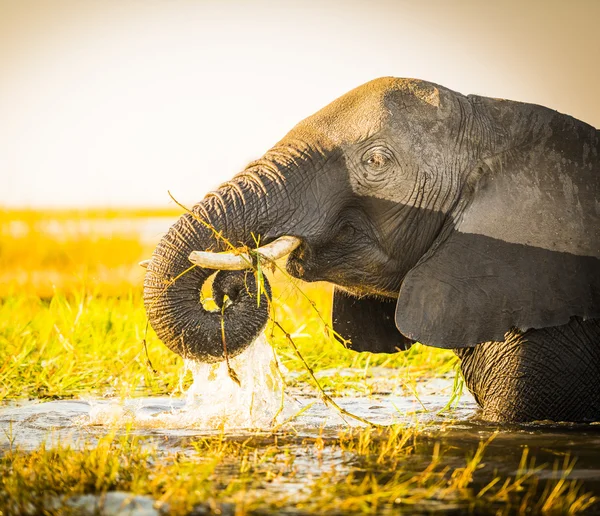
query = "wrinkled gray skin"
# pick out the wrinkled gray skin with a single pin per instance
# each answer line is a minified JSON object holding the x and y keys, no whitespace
{"x":457,"y":221}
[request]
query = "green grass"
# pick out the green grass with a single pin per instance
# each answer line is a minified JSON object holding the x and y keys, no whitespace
{"x":81,"y":343}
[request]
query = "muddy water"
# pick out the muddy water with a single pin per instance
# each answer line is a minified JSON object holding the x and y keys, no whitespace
{"x":261,"y":405}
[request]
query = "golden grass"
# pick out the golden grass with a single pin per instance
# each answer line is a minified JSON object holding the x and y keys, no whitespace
{"x":252,"y":474}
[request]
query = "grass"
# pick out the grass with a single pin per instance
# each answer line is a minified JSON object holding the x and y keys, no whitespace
{"x":77,"y":342}
{"x":259,"y":474}
{"x":72,"y":323}
{"x":72,"y":318}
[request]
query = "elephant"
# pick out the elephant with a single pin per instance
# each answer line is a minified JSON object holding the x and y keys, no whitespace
{"x":458,"y":221}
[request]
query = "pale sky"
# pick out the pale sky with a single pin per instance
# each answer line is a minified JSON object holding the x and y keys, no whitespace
{"x":114,"y":102}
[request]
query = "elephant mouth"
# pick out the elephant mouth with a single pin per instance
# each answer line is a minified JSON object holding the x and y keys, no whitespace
{"x":372,"y":274}
{"x":296,"y":268}
{"x":301,"y":264}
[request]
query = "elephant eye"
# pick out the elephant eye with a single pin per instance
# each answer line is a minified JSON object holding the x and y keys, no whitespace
{"x":376,"y":161}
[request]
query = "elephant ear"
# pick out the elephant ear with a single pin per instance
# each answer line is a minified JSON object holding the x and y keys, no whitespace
{"x":368,"y":323}
{"x":524,"y":253}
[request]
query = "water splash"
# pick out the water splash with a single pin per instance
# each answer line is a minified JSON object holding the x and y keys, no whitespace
{"x":214,"y":400}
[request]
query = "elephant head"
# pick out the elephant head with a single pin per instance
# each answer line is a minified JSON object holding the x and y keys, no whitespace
{"x":442,"y":218}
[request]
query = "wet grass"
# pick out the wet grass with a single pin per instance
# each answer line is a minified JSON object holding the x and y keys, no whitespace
{"x":72,"y":323}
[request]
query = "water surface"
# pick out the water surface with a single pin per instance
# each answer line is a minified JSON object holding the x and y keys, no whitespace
{"x":261,"y":406}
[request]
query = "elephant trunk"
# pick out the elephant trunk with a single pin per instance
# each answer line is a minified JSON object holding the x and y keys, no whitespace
{"x":234,"y":215}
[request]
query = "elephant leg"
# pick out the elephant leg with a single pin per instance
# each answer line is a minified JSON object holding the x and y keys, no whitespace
{"x":547,"y":374}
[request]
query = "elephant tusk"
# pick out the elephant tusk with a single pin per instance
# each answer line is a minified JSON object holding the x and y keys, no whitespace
{"x":236,"y":262}
{"x":144,"y":263}
{"x":279,"y":248}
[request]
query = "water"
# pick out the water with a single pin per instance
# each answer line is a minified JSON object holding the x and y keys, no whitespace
{"x":216,"y":403}
{"x":259,"y":406}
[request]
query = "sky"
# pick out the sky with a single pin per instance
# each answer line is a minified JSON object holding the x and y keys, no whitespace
{"x":113,"y":103}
